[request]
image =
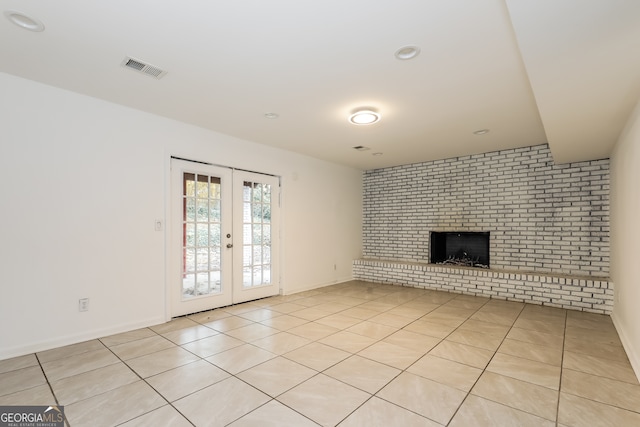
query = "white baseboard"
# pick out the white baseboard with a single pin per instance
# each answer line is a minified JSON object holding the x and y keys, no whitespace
{"x":318,"y":286}
{"x":21,"y":350}
{"x":60,"y":341}
{"x":632,"y":353}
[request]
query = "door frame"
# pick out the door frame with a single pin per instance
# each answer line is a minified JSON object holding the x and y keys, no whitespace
{"x":240,"y":293}
{"x":168,"y":223}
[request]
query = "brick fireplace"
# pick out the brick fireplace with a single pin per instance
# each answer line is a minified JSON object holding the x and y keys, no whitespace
{"x":549,"y":226}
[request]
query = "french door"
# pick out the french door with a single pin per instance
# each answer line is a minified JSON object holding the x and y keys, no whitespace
{"x":224,"y":236}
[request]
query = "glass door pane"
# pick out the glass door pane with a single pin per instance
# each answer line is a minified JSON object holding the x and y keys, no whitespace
{"x":202,"y":243}
{"x":201,"y":254}
{"x":256,"y":234}
{"x":256,"y":211}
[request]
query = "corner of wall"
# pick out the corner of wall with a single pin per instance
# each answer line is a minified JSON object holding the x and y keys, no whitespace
{"x":634,"y":357}
{"x":625,"y":233}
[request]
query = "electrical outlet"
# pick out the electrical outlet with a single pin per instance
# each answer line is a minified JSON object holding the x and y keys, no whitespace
{"x":158,"y":225}
{"x":83,"y":304}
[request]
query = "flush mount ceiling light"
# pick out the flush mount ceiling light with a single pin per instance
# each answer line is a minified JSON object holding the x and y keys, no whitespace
{"x":481,"y":132}
{"x":407,"y":52}
{"x":271,"y":116}
{"x":23,"y":20}
{"x":365,"y":116}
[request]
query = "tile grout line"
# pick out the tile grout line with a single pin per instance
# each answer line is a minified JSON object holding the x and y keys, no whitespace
{"x":406,"y":369}
{"x":338,"y":362}
{"x":200,"y":358}
{"x":496,"y":352}
{"x":564,"y":338}
{"x":145,"y":381}
{"x":271,"y":398}
{"x":395,"y":305}
{"x":372,"y":395}
{"x":55,"y":398}
{"x":503,"y":404}
{"x":254,"y":322}
{"x":231,"y":375}
{"x":488,"y":362}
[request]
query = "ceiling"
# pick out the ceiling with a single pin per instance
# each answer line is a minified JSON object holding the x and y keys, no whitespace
{"x":566,"y":72}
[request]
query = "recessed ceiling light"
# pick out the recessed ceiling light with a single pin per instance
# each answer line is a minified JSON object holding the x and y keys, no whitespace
{"x":361,"y":148}
{"x":271,"y":116}
{"x":481,"y":132}
{"x":364,"y":117}
{"x":23,"y":20}
{"x":407,"y":52}
{"x":376,"y":154}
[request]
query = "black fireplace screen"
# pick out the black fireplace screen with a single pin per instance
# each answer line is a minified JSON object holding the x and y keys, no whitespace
{"x":460,"y":248}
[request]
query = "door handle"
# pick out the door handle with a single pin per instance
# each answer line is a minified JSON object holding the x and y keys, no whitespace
{"x":229,"y":245}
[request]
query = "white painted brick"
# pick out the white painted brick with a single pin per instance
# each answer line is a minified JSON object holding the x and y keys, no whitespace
{"x":516,"y":287}
{"x":500,"y":192}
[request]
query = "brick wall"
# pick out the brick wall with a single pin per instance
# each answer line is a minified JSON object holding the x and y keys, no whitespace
{"x":543,"y":217}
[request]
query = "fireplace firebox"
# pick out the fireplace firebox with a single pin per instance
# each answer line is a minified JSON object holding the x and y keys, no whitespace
{"x":465,"y":248}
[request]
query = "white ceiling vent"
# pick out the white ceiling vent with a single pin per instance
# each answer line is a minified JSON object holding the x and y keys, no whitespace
{"x":143,"y":68}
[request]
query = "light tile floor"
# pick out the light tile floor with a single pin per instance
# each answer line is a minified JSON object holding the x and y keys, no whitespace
{"x":353,"y":354}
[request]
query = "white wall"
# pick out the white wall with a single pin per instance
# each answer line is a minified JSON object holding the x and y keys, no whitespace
{"x":625,"y":237}
{"x":81,"y":183}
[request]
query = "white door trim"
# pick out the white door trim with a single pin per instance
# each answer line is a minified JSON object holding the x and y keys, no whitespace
{"x":170,"y":245}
